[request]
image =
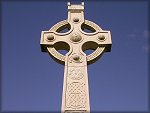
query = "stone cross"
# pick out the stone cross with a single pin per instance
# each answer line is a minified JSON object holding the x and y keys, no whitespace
{"x":76,"y":39}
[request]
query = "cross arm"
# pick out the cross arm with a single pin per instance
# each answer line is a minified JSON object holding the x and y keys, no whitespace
{"x":102,"y":38}
{"x":50,"y":38}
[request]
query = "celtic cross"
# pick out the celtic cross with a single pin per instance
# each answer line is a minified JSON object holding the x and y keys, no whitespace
{"x":75,"y":97}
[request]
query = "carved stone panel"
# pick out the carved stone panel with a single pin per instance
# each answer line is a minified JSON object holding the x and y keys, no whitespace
{"x":76,"y":95}
{"x":75,"y":73}
{"x":76,"y":111}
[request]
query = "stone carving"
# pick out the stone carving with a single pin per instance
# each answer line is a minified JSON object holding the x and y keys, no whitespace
{"x":93,"y":25}
{"x":76,"y":58}
{"x":55,"y":54}
{"x":76,"y":95}
{"x":95,"y":54}
{"x":75,"y":73}
{"x":75,"y":38}
{"x":50,"y":38}
{"x":101,"y":38}
{"x":76,"y":19}
{"x":58,"y":25}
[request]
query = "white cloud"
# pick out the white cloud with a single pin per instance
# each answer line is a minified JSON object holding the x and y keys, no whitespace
{"x":143,"y":36}
{"x":146,"y":48}
{"x":146,"y":34}
{"x":135,"y":33}
{"x":132,"y":35}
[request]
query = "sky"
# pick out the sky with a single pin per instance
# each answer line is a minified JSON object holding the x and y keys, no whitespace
{"x":33,"y":81}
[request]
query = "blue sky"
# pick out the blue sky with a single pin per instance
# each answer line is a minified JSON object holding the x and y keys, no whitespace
{"x":32,"y":81}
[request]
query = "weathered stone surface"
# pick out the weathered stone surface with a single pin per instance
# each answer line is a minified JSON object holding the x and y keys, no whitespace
{"x":75,"y":98}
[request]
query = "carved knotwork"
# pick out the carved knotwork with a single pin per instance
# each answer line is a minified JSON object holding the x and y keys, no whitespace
{"x":76,"y":95}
